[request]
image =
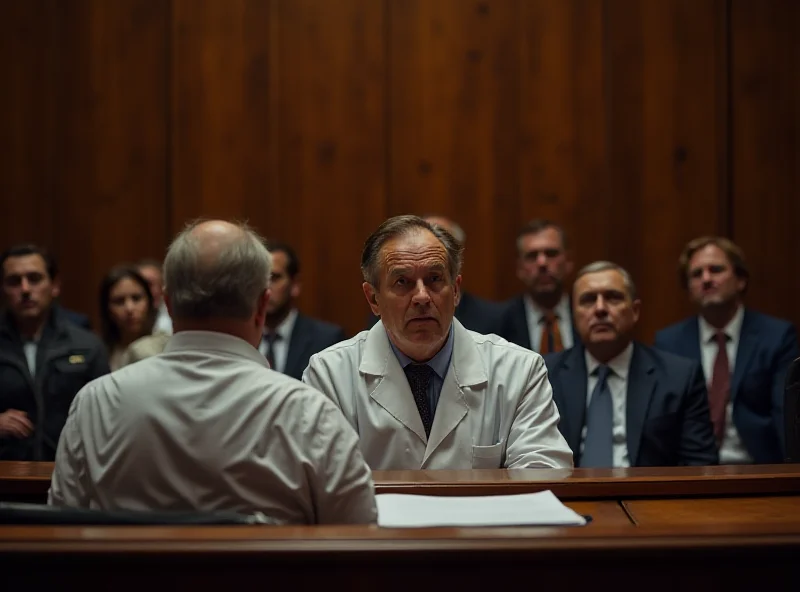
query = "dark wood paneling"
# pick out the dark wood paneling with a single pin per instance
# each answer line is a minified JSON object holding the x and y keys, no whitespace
{"x":111,"y":129}
{"x":664,"y":157}
{"x":765,"y":66}
{"x":27,"y":111}
{"x":454,"y":116}
{"x":332,"y":138}
{"x":637,"y":124}
{"x":221,"y":113}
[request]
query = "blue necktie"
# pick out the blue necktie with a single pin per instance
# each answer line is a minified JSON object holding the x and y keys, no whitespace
{"x":419,"y":377}
{"x":597,"y":446}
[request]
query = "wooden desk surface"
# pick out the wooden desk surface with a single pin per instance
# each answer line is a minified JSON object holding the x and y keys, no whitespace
{"x":20,"y":480}
{"x":784,"y":510}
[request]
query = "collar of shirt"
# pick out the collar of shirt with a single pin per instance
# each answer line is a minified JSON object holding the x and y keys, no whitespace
{"x":440,"y":362}
{"x":286,"y":327}
{"x":537,"y":313}
{"x":213,"y":341}
{"x":732,"y":329}
{"x":619,"y":365}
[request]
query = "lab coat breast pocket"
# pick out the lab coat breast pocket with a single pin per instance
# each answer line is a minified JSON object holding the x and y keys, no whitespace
{"x":488,"y":457}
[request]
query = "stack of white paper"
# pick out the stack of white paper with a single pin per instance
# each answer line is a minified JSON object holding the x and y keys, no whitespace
{"x":528,"y":509}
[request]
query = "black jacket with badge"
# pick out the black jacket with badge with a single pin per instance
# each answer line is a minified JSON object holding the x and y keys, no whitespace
{"x":67,"y":358}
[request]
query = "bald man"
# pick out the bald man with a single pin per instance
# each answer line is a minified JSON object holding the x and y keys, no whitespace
{"x":206,"y":424}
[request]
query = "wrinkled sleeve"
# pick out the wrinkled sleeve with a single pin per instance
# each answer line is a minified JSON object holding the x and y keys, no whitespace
{"x":534,"y":440}
{"x":69,"y":474}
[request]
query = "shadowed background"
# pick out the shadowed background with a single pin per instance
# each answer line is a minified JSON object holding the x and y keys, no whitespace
{"x":637,"y":124}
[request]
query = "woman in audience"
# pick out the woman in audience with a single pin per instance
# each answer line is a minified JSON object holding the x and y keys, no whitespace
{"x":127,"y":311}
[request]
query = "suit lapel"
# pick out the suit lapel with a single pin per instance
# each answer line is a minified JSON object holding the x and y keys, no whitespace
{"x":572,"y":379}
{"x":641,"y":384}
{"x":391,"y":391}
{"x":520,"y":321}
{"x":465,"y":370}
{"x":298,"y":343}
{"x":748,"y":344}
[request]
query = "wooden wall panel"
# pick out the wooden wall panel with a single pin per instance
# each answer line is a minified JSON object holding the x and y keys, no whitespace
{"x":453,"y":99}
{"x":765,"y":64}
{"x":27,"y":110}
{"x":664,"y":157}
{"x":563,"y":163}
{"x":111,"y":131}
{"x":221,"y":112}
{"x":636,"y":124}
{"x":87,"y":163}
{"x":332,"y":138}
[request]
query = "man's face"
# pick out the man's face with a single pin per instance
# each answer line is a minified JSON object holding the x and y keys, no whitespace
{"x":542,"y":263}
{"x":28,"y":289}
{"x":712,"y":279}
{"x":155,"y":282}
{"x":416,"y":298}
{"x":283,"y":289}
{"x":603,"y":309}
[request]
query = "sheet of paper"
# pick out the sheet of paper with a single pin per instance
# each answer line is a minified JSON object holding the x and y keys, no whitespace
{"x":527,"y":509}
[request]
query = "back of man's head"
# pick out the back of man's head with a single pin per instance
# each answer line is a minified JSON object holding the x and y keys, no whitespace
{"x":216,"y":271}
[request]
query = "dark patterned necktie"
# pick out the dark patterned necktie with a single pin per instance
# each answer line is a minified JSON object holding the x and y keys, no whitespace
{"x":270,"y":339}
{"x":720,"y":389}
{"x":419,"y":378}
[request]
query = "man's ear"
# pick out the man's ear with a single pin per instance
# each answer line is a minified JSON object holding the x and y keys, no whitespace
{"x":55,"y":289}
{"x":457,"y":289}
{"x":637,"y":309}
{"x":261,"y":307}
{"x":372,"y":298}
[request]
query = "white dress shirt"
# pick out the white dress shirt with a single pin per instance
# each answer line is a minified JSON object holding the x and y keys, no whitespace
{"x":535,"y":316}
{"x":618,"y":385}
{"x":31,"y":349}
{"x":732,"y":450}
{"x":205,"y":425}
{"x":163,"y":322}
{"x":280,"y":347}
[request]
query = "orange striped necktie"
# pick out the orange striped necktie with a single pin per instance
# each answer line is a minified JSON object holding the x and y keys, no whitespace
{"x":551,"y":334}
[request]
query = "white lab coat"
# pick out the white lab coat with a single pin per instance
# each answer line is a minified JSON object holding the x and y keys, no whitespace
{"x":495,"y":409}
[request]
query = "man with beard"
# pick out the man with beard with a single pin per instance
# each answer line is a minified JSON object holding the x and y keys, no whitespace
{"x":422,"y":391}
{"x":622,"y":403}
{"x":541,"y":318}
{"x":744,"y":354}
{"x":291,"y":338}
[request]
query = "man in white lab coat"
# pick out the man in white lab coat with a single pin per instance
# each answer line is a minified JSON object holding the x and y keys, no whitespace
{"x":422,"y":391}
{"x":205,"y":424}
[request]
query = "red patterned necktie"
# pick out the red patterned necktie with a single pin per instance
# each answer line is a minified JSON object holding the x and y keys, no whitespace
{"x":720,"y":390}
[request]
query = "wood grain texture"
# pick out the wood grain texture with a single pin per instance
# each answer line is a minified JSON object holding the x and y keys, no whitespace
{"x":728,"y":511}
{"x":636,"y":124}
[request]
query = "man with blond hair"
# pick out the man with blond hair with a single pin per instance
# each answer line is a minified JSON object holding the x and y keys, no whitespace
{"x":744,"y":354}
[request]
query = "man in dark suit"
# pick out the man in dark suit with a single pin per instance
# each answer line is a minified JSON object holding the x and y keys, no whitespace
{"x":644,"y":407}
{"x":745,"y":378}
{"x":291,"y":338}
{"x":541,"y":318}
{"x":44,"y":359}
{"x":475,"y":313}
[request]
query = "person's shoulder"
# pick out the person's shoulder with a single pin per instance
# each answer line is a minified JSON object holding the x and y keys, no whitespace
{"x":499,"y":346}
{"x":675,"y":330}
{"x":770,"y":323}
{"x":669,"y":362}
{"x":80,"y":337}
{"x":320,"y":327}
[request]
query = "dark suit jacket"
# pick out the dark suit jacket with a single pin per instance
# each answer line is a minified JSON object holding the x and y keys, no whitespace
{"x":667,"y":418}
{"x":766,"y":348}
{"x":476,"y":314}
{"x":76,"y":318}
{"x":309,"y":336}
{"x":514,"y":324}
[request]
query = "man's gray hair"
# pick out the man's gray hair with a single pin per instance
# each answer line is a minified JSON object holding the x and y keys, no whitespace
{"x":226,"y":284}
{"x":599,"y":266}
{"x":399,"y":226}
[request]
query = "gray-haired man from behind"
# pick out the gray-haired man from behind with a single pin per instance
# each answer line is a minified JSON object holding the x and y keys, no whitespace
{"x":206,"y":425}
